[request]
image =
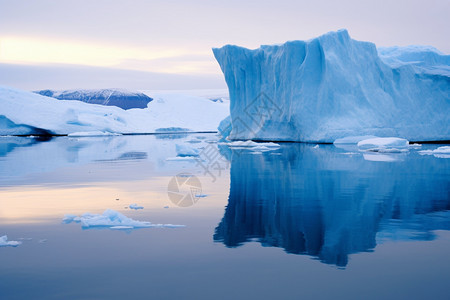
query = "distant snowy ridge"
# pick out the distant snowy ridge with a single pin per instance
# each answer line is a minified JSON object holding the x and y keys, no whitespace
{"x":332,"y":87}
{"x":111,"y":97}
{"x":24,"y":113}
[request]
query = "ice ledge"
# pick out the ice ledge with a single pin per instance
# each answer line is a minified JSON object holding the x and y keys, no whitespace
{"x":333,"y":86}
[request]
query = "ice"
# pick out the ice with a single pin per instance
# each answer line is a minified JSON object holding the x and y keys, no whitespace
{"x":5,"y":243}
{"x":92,"y":133}
{"x":26,"y":113}
{"x":250,"y":144}
{"x":113,"y":220}
{"x":332,"y":87}
{"x":111,"y":97}
{"x":353,"y":139}
{"x":441,"y":152}
{"x":384,"y":145}
{"x":184,"y":150}
{"x":135,"y":206}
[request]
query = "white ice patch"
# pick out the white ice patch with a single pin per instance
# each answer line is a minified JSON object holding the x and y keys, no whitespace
{"x":441,"y":152}
{"x":384,"y":145}
{"x":5,"y":243}
{"x":354,"y":139}
{"x":113,"y":220}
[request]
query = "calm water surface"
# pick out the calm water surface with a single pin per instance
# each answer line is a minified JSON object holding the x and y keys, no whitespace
{"x":295,"y":223}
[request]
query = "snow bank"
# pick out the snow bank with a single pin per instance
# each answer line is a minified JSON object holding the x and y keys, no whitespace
{"x":113,"y":220}
{"x":24,"y":113}
{"x":332,"y":87}
{"x":5,"y":243}
{"x":385,"y":145}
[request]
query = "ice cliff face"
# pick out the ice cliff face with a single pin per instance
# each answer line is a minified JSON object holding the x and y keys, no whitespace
{"x":333,"y":86}
{"x":110,"y":97}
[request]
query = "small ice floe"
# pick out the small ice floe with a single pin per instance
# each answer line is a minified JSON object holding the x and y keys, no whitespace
{"x":42,"y":241}
{"x":250,"y":144}
{"x":441,"y":152}
{"x":184,"y":150}
{"x":135,"y":206}
{"x":316,"y":147}
{"x":92,"y":133}
{"x":415,"y":145}
{"x":384,"y":145}
{"x":354,"y":139}
{"x":25,"y":239}
{"x":112,"y":219}
{"x":5,"y":243}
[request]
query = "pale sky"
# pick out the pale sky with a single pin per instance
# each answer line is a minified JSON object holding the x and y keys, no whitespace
{"x":68,"y":43}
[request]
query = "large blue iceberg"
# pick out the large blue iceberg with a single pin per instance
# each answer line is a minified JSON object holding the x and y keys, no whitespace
{"x":333,"y":86}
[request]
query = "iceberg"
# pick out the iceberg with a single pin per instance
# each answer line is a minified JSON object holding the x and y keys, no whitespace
{"x":113,"y":220}
{"x":110,"y":97}
{"x":27,"y":113}
{"x":5,"y":243}
{"x":332,"y":87}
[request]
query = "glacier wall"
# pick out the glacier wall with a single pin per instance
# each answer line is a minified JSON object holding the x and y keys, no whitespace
{"x":333,"y":86}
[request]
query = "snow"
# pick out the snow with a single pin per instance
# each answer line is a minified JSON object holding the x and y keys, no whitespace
{"x":135,"y":206}
{"x":332,"y":87}
{"x":184,"y":150}
{"x":111,"y":97}
{"x":5,"y":243}
{"x":113,"y":220}
{"x":26,"y":113}
{"x":384,"y":145}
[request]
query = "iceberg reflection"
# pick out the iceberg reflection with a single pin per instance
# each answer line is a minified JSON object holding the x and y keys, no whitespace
{"x":321,"y":203}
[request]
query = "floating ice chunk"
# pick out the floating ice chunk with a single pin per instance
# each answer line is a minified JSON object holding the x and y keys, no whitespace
{"x":354,"y":139}
{"x":316,"y":147}
{"x":415,"y":145}
{"x":186,"y":150}
{"x":135,"y":206}
{"x":113,"y":220}
{"x":250,"y":144}
{"x":182,"y":158}
{"x":384,"y":145}
{"x":5,"y":243}
{"x":92,"y":133}
{"x":441,"y":152}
